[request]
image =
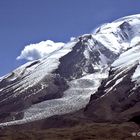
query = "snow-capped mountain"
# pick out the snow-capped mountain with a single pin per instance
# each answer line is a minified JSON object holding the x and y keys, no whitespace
{"x":104,"y":63}
{"x":119,"y":93}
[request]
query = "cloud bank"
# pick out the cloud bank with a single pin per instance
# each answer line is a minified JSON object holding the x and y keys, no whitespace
{"x":39,"y":50}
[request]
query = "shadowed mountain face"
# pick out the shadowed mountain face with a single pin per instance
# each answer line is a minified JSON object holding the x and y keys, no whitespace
{"x":97,"y":73}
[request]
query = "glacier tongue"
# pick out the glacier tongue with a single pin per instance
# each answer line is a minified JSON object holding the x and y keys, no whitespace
{"x":75,"y":98}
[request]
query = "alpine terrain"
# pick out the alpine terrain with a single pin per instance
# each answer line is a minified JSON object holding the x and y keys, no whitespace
{"x":91,"y":83}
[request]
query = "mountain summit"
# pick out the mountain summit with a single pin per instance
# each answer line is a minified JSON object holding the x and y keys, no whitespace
{"x":97,"y":73}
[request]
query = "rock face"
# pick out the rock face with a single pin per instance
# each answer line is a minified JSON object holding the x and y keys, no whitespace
{"x":105,"y":64}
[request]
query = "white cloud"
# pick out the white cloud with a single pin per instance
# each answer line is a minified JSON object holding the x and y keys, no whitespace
{"x":72,"y":38}
{"x":96,"y":29}
{"x":39,"y":50}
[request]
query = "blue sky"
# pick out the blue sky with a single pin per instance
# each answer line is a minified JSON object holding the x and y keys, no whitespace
{"x":23,"y":22}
